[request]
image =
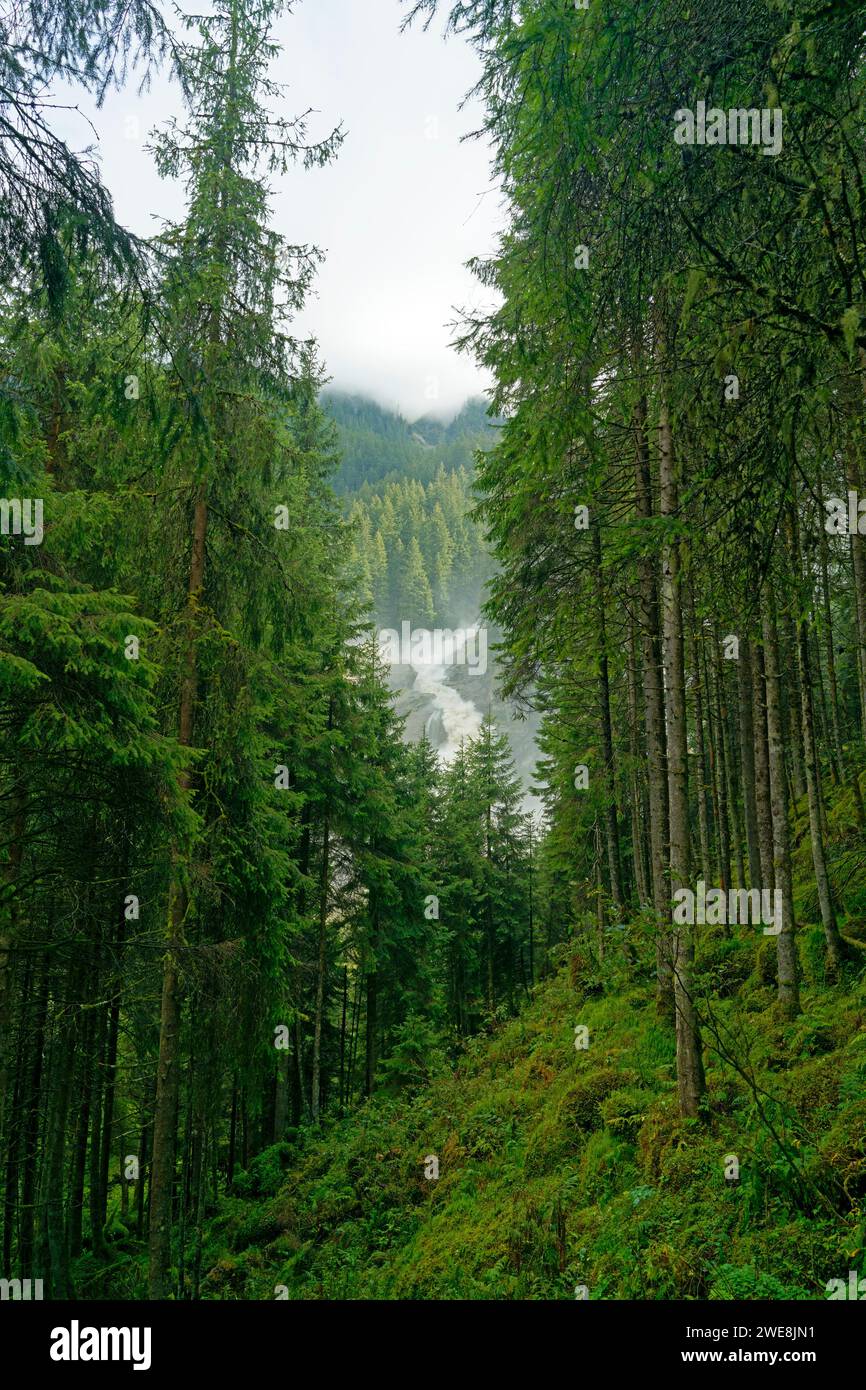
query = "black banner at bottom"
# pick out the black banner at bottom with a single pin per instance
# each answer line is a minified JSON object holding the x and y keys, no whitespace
{"x":85,"y":1339}
{"x":79,"y":1339}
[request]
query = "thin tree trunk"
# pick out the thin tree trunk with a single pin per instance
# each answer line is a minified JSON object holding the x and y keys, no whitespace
{"x":354,"y":1032}
{"x":321,"y":970}
{"x":531,"y":923}
{"x":853,"y":477}
{"x":281,"y":1096}
{"x":372,"y":1018}
{"x":8,"y":932}
{"x":762,"y":771}
{"x":691,"y":1085}
{"x":737,"y":835}
{"x":14,"y":1132}
{"x":168,"y":1067}
{"x":747,"y":760}
{"x":82,"y":1130}
{"x":143,"y":1169}
{"x":32,"y":1096}
{"x":53,"y":1214}
{"x":611,"y":818}
{"x":719,"y":837}
{"x":794,"y":707}
{"x":654,"y":715}
{"x":829,"y":653}
{"x":700,"y":748}
{"x":723,"y":767}
{"x":233,"y":1130}
{"x":111,"y":1064}
{"x":813,"y":791}
{"x":343,"y":1038}
{"x":786,"y":946}
{"x":637,"y":799}
{"x":95,"y":1194}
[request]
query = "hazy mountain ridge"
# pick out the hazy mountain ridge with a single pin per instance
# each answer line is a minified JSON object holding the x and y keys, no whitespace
{"x":379,"y":445}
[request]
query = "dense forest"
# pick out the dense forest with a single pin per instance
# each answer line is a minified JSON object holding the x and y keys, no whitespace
{"x":290,"y":1006}
{"x":416,"y":550}
{"x":378,"y":445}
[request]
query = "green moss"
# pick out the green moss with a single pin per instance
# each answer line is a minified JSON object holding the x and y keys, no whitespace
{"x":560,"y":1167}
{"x":580,"y":1108}
{"x":624,"y":1111}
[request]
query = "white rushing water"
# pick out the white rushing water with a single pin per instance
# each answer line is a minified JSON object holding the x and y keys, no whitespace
{"x":452,"y":720}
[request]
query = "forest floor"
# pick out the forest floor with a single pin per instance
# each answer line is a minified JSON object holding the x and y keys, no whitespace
{"x":564,"y":1170}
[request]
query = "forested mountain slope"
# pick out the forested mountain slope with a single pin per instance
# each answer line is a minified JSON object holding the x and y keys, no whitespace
{"x":419,"y":554}
{"x":377,"y":444}
{"x":568,"y":1172}
{"x":251,"y":936}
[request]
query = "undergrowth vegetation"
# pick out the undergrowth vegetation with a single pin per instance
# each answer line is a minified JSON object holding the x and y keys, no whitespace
{"x":561,"y":1168}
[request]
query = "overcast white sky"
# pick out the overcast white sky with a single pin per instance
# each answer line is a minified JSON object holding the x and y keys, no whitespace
{"x":398,"y":213}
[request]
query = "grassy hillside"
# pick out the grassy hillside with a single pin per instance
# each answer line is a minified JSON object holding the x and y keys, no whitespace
{"x":561,"y":1168}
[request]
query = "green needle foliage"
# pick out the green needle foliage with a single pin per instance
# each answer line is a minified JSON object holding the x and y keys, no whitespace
{"x":289,"y":1004}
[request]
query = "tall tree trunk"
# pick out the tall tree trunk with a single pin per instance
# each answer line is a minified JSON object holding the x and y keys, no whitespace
{"x":730,"y":766}
{"x":141,"y":1207}
{"x":372,"y":1019}
{"x":233,"y":1131}
{"x":611,"y":819}
{"x":281,"y":1096}
{"x":854,"y":479}
{"x":726,"y":817}
{"x":747,"y":760}
{"x":111,"y":1062}
{"x":690,"y":1067}
{"x":763,"y":802}
{"x":531,"y":923}
{"x":322,"y":962}
{"x":786,"y":946}
{"x":14,"y":1132}
{"x":837,"y":745}
{"x":53,"y":1211}
{"x":654,"y":716}
{"x":168,"y":1067}
{"x":354,"y":1034}
{"x":700,"y":747}
{"x":31,"y":1108}
{"x":814,"y":794}
{"x":96,"y":1198}
{"x":637,"y":799}
{"x":321,"y":969}
{"x":794,"y":708}
{"x":343,"y":1038}
{"x":8,"y":931}
{"x":82,"y":1131}
{"x":848,"y":774}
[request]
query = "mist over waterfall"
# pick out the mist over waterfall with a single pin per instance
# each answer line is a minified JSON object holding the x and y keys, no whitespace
{"x":408,"y":491}
{"x":447,"y":704}
{"x":452,"y":720}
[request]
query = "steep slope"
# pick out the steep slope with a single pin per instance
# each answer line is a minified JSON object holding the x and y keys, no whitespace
{"x":377,"y":444}
{"x":563,"y":1168}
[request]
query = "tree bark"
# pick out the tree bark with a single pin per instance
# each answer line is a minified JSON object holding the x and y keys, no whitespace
{"x":747,"y":760}
{"x":654,"y":716}
{"x":814,"y":794}
{"x":611,"y":819}
{"x":788,"y":992}
{"x":637,"y":799}
{"x":700,"y":747}
{"x":168,"y":1067}
{"x":690,"y":1068}
{"x":763,"y":803}
{"x":322,"y":966}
